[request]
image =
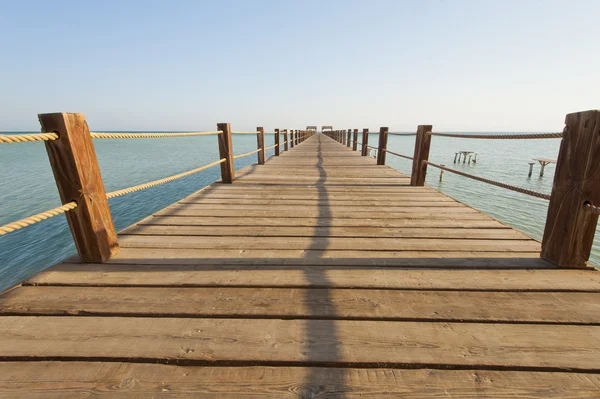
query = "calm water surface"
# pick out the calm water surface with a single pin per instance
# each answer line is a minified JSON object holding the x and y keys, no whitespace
{"x":28,"y":186}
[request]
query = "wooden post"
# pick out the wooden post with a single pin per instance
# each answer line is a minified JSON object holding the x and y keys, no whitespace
{"x":349,"y":141}
{"x":78,"y":179}
{"x":260,"y":142}
{"x":441,"y":172}
{"x":365,"y":143}
{"x":569,"y":231}
{"x":530,"y":168}
{"x":285,"y":140}
{"x":355,"y":142}
{"x":383,"y":138}
{"x":422,"y":143}
{"x":291,"y":138}
{"x":455,"y":155}
{"x":226,"y":151}
{"x":296,"y":139}
{"x":277,"y":142}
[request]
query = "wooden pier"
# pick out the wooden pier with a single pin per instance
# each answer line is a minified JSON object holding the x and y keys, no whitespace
{"x":318,"y":273}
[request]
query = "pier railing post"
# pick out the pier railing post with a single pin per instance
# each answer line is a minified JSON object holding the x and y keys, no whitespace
{"x":355,"y":141}
{"x":291,"y":138}
{"x":365,"y":142}
{"x":349,"y":141}
{"x":77,"y":174}
{"x":422,"y":144}
{"x":569,"y":231}
{"x":296,"y":138}
{"x":260,"y":142}
{"x":383,"y":138}
{"x":285,"y":140}
{"x":276,"y":142}
{"x":226,"y":151}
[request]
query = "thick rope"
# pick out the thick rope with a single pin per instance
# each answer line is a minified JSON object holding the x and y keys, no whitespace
{"x":19,"y":224}
{"x":22,"y":138}
{"x":492,"y":182}
{"x":268,"y":148}
{"x":398,"y":155}
{"x":592,"y":209}
{"x":246,"y":154}
{"x":375,"y":148}
{"x":154,"y":183}
{"x":402,"y":134}
{"x":244,"y":132}
{"x":103,"y":135}
{"x":502,"y":136}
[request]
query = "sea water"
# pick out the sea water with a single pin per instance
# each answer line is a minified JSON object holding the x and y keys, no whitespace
{"x":27,"y":186}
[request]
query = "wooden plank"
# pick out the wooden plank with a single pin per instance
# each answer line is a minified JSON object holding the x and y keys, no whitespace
{"x":557,"y":280}
{"x":78,"y":379}
{"x":288,"y":231}
{"x":413,"y":222}
{"x":302,"y":342}
{"x":415,"y":259}
{"x":325,"y":208}
{"x":77,"y":175}
{"x":328,"y":243}
{"x":451,"y":306}
{"x":570,"y":229}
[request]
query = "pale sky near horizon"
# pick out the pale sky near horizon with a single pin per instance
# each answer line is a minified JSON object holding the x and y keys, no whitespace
{"x":185,"y":65}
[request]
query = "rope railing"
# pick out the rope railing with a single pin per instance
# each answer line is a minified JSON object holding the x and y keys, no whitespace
{"x":398,"y":155}
{"x":592,"y":208}
{"x":268,"y":148}
{"x":492,"y":182}
{"x":500,"y":136}
{"x":106,"y":135}
{"x":246,"y":154}
{"x":154,"y":183}
{"x":402,"y":134}
{"x":239,"y":132}
{"x":23,"y":138}
{"x":28,"y":221}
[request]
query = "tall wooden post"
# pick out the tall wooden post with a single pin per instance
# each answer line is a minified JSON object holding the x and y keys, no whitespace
{"x":78,"y":179}
{"x":292,"y":138}
{"x":422,"y":143}
{"x":349,"y":141}
{"x":569,"y":231}
{"x":365,"y":143}
{"x":277,"y":142}
{"x":226,"y":151}
{"x":296,"y":141}
{"x":260,"y":142}
{"x":285,"y":139}
{"x":355,"y":142}
{"x":383,"y":138}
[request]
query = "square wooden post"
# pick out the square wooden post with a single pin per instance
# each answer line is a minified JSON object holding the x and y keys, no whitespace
{"x":383,"y":138}
{"x":276,"y":142}
{"x":226,"y":151}
{"x":292,"y":138}
{"x":285,"y":139}
{"x":355,"y":142}
{"x":365,"y":143}
{"x":570,"y":228}
{"x":260,"y":142}
{"x":296,"y":140}
{"x":349,"y":141}
{"x":77,"y":174}
{"x":422,"y":144}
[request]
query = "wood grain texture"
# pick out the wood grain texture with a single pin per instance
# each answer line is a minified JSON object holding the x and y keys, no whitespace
{"x":365,"y":304}
{"x":383,"y":139}
{"x":127,"y":380}
{"x":365,"y":142}
{"x":226,"y":151}
{"x":421,"y":154}
{"x":260,"y":143}
{"x":276,"y":142}
{"x":77,"y":175}
{"x":570,"y":229}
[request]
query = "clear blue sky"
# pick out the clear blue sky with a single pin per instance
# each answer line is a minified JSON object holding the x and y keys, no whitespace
{"x":185,"y":65}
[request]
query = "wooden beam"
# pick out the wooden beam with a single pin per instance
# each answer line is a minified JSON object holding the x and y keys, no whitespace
{"x":226,"y":151}
{"x":260,"y":142}
{"x":365,"y":143}
{"x":383,"y":138}
{"x":77,"y":174}
{"x":277,"y":142}
{"x":422,"y":144}
{"x":569,"y":232}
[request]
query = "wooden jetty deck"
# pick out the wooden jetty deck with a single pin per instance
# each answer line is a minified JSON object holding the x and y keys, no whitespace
{"x":319,"y":273}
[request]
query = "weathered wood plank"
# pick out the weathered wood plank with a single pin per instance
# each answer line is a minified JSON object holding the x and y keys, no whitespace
{"x":318,"y":277}
{"x":456,"y":306}
{"x":79,"y":379}
{"x":303,"y":342}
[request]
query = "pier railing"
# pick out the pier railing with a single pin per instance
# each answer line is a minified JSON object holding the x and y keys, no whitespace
{"x":575,"y":198}
{"x":68,"y":142}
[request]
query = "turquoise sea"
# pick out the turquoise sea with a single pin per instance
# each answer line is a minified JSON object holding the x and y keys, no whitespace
{"x":28,"y":186}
